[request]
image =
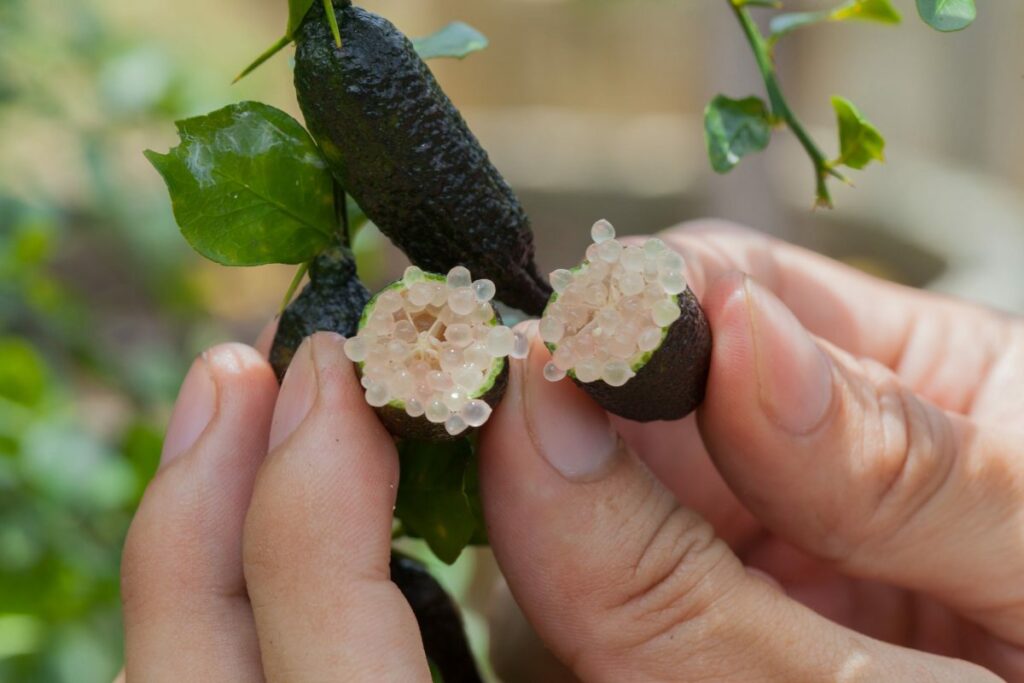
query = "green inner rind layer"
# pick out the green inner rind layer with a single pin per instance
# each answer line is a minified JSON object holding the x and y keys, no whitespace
{"x":639,"y":361}
{"x":496,"y":367}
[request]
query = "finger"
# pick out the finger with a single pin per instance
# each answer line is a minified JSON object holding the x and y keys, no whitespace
{"x":946,"y":350}
{"x":839,"y":457}
{"x":265,"y":339}
{"x":317,"y":537}
{"x":186,"y":614}
{"x":623,"y":584}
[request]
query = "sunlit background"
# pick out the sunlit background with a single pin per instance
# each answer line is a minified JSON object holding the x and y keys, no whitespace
{"x":591,"y":108}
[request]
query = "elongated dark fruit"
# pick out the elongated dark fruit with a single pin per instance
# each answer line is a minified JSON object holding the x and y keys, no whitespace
{"x":332,"y":301}
{"x":399,"y":146}
{"x":439,"y":620}
{"x":626,"y":328}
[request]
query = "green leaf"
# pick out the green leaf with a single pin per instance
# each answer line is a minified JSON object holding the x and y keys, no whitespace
{"x":947,"y":15}
{"x":880,"y":11}
{"x":23,"y":374}
{"x":435,"y":493}
{"x":249,"y":186}
{"x":454,"y":40}
{"x":734,"y":129}
{"x":860,"y":143}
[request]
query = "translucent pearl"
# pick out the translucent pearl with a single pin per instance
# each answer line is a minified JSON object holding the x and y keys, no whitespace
{"x":377,"y":394}
{"x":389,"y":301}
{"x":589,"y":370}
{"x":402,"y":383}
{"x":653,"y":246}
{"x":553,"y":373}
{"x":649,"y":339}
{"x":616,"y":373}
{"x":419,"y":370}
{"x":478,"y":356}
{"x":420,"y":294}
{"x":609,"y":251}
{"x":466,"y":377}
{"x":632,"y":283}
{"x":520,"y":345}
{"x":632,"y":259}
{"x":620,"y":347}
{"x":608,"y":320}
{"x":596,"y":295}
{"x":591,"y":253}
{"x":366,"y":381}
{"x":440,"y":295}
{"x":454,"y":399}
{"x":412,"y":275}
{"x":459,"y":277}
{"x":484,"y":290}
{"x":483,"y":313}
{"x":451,"y":358}
{"x":602,"y":231}
{"x":355,"y":349}
{"x":439,"y":381}
{"x":551,"y":330}
{"x":560,"y":279}
{"x":475,"y":412}
{"x":437,"y":411}
{"x":499,"y":341}
{"x":665,"y":312}
{"x":672,"y":282}
{"x":564,"y":357}
{"x":413,"y":408}
{"x":405,"y":331}
{"x":462,"y":301}
{"x":455,"y":425}
{"x":397,"y":350}
{"x":459,"y":334}
{"x":670,"y":261}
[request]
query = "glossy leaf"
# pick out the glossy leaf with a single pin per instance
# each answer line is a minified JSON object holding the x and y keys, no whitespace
{"x":435,"y":495}
{"x":860,"y":143}
{"x":454,"y":40}
{"x":880,"y":11}
{"x":734,"y":129}
{"x":947,"y":15}
{"x":249,"y":186}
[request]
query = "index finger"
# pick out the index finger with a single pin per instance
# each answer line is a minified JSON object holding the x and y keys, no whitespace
{"x":940,"y":347}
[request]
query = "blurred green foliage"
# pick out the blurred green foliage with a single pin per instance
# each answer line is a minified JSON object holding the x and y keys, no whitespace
{"x":97,"y":321}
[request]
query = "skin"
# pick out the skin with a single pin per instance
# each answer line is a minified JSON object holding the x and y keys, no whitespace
{"x":846,"y":505}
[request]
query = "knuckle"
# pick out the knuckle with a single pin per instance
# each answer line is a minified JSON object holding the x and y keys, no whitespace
{"x":904,"y":456}
{"x":670,"y":583}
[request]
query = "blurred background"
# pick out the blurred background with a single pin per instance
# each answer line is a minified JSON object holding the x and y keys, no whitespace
{"x":592,"y":108}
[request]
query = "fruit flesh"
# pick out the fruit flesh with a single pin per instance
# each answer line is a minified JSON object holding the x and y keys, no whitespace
{"x":626,"y":328}
{"x":432,"y":349}
{"x":609,"y":314}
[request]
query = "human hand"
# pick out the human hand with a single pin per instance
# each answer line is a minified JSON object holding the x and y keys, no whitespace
{"x":875,"y":471}
{"x":621,"y":582}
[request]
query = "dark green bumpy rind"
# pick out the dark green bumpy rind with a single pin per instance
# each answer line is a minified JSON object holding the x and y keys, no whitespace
{"x":332,"y":301}
{"x":671,"y":384}
{"x":399,"y":146}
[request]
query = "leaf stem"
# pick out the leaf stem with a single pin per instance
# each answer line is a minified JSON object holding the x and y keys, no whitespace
{"x":296,"y":281}
{"x":333,"y":21}
{"x":341,"y":213}
{"x":780,"y":108}
{"x":281,"y":43}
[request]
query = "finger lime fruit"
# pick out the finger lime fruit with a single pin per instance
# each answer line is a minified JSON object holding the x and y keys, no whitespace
{"x":332,"y":301}
{"x":399,"y":146}
{"x":626,"y":328}
{"x":431,"y":353}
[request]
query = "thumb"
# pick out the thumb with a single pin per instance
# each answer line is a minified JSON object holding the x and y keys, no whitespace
{"x":836,"y":455}
{"x":622,"y":583}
